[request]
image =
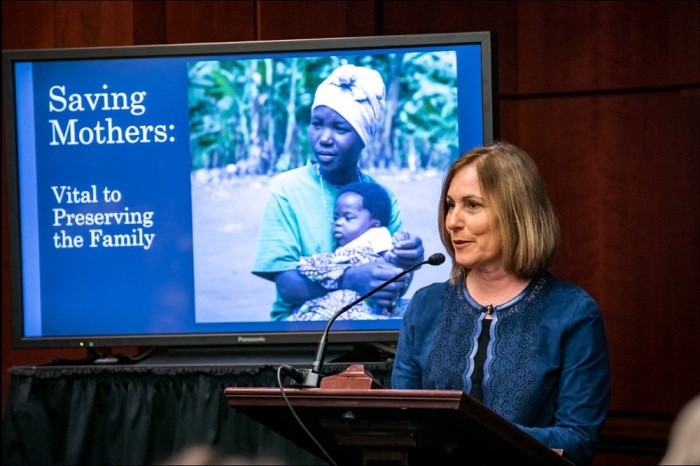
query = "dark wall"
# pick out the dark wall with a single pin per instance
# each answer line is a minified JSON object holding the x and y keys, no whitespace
{"x":604,"y":95}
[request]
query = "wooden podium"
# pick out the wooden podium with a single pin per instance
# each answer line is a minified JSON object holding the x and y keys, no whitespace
{"x":358,"y":423}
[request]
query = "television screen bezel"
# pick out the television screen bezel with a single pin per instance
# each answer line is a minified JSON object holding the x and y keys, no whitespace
{"x":489,"y":82}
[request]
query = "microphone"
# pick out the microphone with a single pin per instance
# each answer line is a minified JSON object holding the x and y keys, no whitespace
{"x":435,"y":259}
{"x":312,"y":378}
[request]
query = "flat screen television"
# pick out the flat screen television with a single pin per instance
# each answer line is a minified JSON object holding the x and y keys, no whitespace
{"x":137,"y":177}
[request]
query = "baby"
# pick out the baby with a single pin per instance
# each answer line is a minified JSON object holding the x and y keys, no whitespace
{"x":362,"y":211}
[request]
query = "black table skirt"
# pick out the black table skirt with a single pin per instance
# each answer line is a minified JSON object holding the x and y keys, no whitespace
{"x":137,"y":415}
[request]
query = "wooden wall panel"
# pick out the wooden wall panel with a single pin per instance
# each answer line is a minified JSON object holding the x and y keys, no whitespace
{"x":149,"y":23}
{"x":684,"y":42}
{"x":210,"y":21}
{"x":651,"y":255}
{"x":28,"y":25}
{"x":93,"y":24}
{"x":624,"y":176}
{"x":284,"y":19}
{"x":577,"y":46}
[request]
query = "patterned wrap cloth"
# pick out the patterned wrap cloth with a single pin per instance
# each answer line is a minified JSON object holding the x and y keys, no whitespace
{"x":327,"y":269}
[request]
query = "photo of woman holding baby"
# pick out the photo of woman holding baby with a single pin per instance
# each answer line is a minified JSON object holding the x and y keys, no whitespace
{"x":345,"y":115}
{"x":273,"y":144}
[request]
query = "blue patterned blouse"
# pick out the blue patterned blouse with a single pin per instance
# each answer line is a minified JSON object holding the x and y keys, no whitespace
{"x":546,"y":367}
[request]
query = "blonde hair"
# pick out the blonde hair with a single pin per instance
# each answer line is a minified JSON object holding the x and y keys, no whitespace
{"x":523,"y":216}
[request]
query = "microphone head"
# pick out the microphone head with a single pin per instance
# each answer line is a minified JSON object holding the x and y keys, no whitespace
{"x":436,"y":259}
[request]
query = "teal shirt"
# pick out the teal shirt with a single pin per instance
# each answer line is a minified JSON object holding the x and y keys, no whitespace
{"x":297,"y":222}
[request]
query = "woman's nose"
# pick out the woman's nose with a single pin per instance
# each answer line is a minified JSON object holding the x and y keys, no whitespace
{"x":452,"y":221}
{"x":326,"y":136}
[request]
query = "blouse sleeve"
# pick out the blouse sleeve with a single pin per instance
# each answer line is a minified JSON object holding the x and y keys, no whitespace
{"x":584,"y":388}
{"x":417,"y":331}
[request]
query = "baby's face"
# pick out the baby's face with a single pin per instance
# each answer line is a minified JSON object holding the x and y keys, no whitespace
{"x":351,"y":218}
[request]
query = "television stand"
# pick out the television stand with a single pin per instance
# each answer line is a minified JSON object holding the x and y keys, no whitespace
{"x":254,"y":357}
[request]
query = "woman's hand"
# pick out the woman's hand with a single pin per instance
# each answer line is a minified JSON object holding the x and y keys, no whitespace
{"x":366,"y":277}
{"x":407,"y":252}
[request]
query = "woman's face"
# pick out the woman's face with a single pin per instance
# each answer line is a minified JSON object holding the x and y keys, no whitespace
{"x":351,"y":218}
{"x":335,"y":143}
{"x":468,"y":221}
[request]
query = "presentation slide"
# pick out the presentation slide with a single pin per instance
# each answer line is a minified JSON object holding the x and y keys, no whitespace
{"x":143,"y":180}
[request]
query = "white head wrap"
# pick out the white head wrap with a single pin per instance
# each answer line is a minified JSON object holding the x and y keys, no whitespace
{"x":357,"y":94}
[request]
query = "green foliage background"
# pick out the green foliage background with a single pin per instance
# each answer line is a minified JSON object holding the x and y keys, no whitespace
{"x":251,"y":116}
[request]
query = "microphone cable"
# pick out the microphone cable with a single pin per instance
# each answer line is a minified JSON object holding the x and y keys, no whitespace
{"x":298,"y":419}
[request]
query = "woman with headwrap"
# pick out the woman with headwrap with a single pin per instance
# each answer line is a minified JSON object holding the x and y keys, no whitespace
{"x":346,"y":113}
